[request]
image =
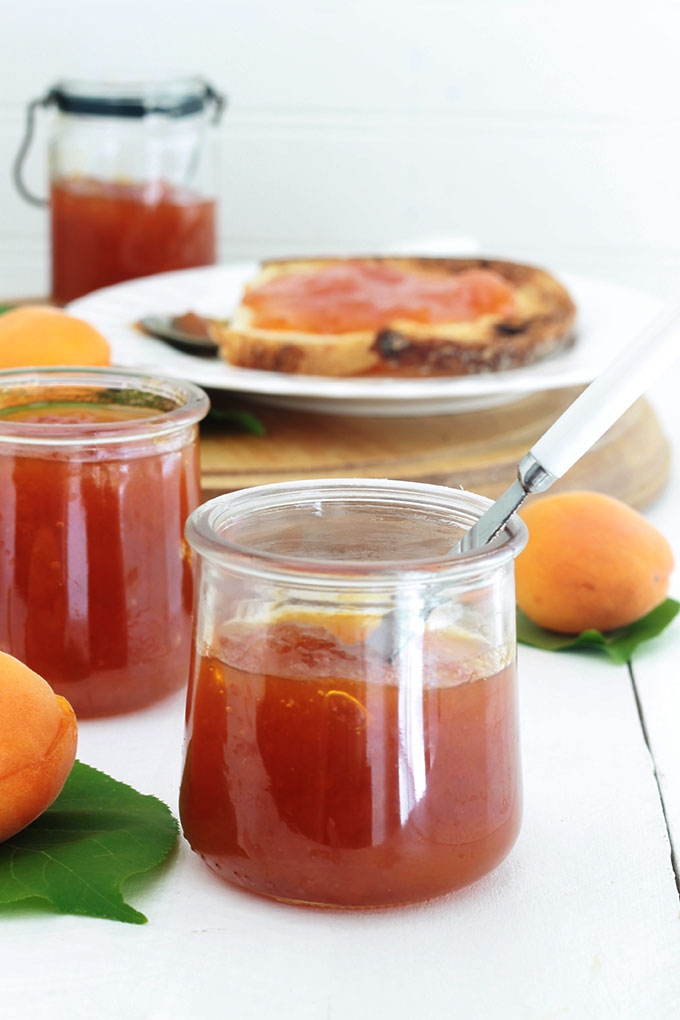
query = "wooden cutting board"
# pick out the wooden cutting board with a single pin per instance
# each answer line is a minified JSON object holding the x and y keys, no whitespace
{"x":478,"y":450}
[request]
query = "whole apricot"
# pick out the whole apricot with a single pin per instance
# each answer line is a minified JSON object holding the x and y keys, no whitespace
{"x":35,"y":335}
{"x":38,"y":738}
{"x":591,"y":561}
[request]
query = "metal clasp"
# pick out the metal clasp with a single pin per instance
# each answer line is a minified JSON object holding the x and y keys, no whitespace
{"x":18,"y":168}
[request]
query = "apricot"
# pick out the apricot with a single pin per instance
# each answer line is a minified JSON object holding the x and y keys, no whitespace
{"x":38,"y":738}
{"x":35,"y":335}
{"x":591,"y":562}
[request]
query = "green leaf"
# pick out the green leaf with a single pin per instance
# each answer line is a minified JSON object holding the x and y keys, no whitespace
{"x":241,"y":421}
{"x":78,"y":853}
{"x":619,"y":644}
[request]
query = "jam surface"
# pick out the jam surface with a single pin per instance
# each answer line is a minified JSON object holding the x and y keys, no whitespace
{"x":316,"y":774}
{"x":355,"y":295}
{"x":72,"y":413}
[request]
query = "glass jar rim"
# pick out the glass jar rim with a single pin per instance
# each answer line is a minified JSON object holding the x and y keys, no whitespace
{"x":202,"y":529}
{"x":165,"y":94}
{"x":179,"y":404}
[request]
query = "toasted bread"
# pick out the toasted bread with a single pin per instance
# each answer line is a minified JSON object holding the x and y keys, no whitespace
{"x":536,"y":321}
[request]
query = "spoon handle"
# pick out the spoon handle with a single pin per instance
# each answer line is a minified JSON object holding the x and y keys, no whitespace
{"x":613,"y":391}
{"x":585,"y":420}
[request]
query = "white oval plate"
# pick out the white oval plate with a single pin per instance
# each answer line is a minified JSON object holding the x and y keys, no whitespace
{"x":609,"y":315}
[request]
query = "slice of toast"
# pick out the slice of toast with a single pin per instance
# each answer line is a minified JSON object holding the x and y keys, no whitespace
{"x":535,"y":321}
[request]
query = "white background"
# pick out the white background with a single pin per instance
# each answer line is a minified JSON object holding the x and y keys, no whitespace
{"x":548,"y":130}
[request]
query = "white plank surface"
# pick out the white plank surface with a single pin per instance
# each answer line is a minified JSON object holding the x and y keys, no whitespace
{"x":581,"y":920}
{"x":656,"y":667}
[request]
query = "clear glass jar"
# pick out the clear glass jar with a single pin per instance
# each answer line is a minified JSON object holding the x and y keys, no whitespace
{"x":332,"y":759}
{"x":98,"y":472}
{"x":133,"y":179}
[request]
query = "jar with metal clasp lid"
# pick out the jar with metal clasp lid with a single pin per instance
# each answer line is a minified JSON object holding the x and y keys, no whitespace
{"x":132,"y":179}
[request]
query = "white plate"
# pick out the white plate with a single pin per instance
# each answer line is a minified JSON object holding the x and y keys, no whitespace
{"x":609,"y":315}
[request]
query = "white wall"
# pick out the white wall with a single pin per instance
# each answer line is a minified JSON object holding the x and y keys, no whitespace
{"x":549,"y":130}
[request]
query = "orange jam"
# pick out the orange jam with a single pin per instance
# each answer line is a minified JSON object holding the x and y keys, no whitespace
{"x":316,"y":774}
{"x":357,"y":295}
{"x":104,"y":232}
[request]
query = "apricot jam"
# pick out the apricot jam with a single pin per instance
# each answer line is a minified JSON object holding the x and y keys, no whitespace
{"x":96,"y":573}
{"x":341,"y":790}
{"x":104,"y":232}
{"x":355,"y":295}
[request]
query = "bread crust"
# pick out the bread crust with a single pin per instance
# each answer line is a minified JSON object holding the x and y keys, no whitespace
{"x":541,"y":324}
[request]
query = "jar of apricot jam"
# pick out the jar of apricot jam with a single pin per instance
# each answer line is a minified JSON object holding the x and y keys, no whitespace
{"x":99,"y":470}
{"x":133,"y":178}
{"x":351,"y":727}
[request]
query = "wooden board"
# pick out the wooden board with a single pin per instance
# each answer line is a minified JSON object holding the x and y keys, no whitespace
{"x":478,"y":450}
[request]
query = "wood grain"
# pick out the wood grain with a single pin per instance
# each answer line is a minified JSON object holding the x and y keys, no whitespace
{"x":478,"y":450}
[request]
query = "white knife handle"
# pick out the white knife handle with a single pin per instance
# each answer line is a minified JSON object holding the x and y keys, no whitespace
{"x":609,"y":395}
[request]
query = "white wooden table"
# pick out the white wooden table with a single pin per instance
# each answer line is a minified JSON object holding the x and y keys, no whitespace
{"x":582,"y":921}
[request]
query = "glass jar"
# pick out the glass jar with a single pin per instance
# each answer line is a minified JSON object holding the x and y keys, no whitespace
{"x":98,"y":473}
{"x":133,"y":182}
{"x":351,"y":729}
